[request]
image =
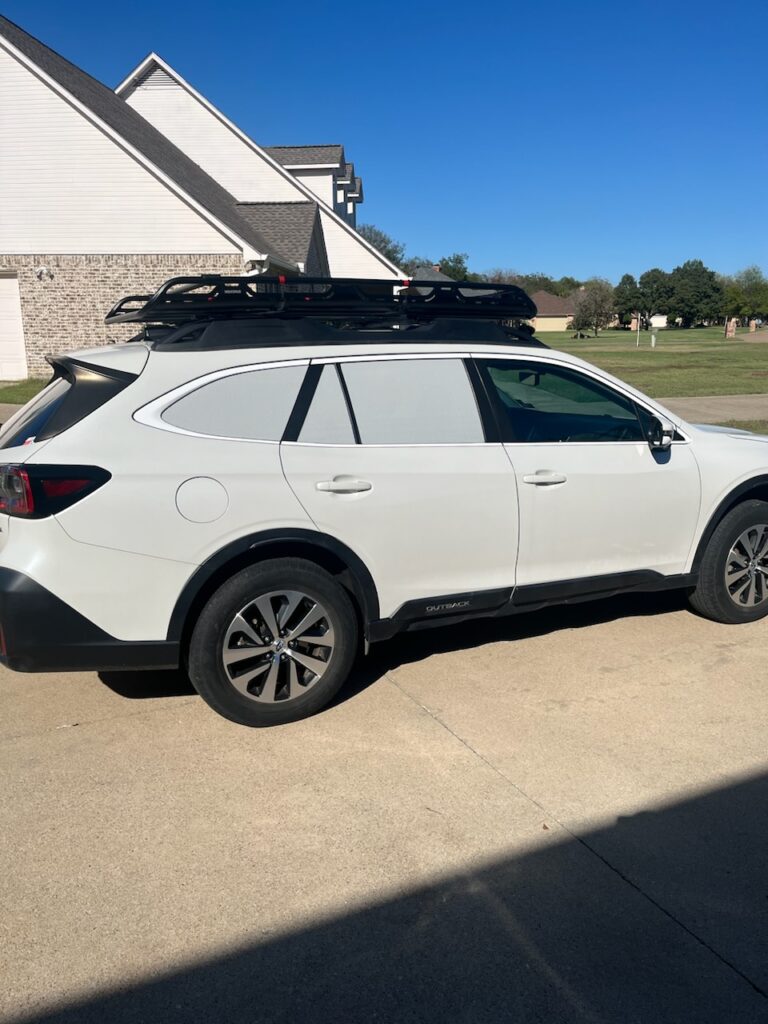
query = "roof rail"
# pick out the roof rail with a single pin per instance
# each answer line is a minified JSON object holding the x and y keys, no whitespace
{"x":212,"y":297}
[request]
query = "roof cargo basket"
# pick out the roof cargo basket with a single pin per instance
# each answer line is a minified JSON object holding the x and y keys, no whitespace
{"x":185,"y":299}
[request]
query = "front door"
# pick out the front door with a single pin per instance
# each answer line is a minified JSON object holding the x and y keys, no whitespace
{"x":594,"y":499}
{"x":392,"y":461}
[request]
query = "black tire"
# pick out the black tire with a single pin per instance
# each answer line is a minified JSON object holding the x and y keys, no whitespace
{"x":217,"y":624}
{"x":711,"y":597}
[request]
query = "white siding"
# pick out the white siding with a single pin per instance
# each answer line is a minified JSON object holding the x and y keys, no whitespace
{"x":211,"y":144}
{"x":321,"y":183}
{"x":66,"y":187}
{"x":13,"y":359}
{"x":347,"y":257}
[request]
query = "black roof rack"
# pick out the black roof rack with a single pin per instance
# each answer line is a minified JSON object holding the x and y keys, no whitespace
{"x":183,"y":300}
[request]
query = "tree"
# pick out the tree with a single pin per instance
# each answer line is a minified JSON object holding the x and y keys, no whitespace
{"x":387,"y":246}
{"x":654,"y":293}
{"x":697,"y":295}
{"x":626,"y":298}
{"x":567,"y":286}
{"x":594,"y":305}
{"x":455,"y":266}
{"x":753,"y":286}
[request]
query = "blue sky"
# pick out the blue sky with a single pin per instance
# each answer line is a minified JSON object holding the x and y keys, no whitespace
{"x":594,"y":138}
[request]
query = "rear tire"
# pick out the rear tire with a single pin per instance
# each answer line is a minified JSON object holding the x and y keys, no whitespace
{"x":274,"y":643}
{"x":733,"y":576}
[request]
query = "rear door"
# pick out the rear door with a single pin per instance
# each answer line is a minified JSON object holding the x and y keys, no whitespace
{"x":392,"y":460}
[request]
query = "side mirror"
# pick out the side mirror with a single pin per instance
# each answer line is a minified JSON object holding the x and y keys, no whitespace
{"x":660,"y":435}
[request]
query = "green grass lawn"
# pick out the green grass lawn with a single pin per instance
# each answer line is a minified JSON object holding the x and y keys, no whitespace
{"x":695,"y":362}
{"x":20,"y":391}
{"x":756,"y":426}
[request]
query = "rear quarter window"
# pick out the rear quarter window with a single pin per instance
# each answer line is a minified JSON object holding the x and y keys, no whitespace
{"x":33,"y":418}
{"x":252,"y":405}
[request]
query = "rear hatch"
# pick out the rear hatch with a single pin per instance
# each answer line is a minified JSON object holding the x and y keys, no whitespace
{"x":81,"y":383}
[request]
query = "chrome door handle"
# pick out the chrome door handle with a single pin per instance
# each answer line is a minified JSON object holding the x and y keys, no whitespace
{"x":544,"y":478}
{"x":344,"y":485}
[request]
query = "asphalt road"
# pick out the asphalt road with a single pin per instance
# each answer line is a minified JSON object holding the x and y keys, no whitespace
{"x":561,"y":817}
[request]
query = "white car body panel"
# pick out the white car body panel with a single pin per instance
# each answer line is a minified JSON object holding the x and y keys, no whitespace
{"x":438,"y":520}
{"x":453,"y":509}
{"x":620,"y":509}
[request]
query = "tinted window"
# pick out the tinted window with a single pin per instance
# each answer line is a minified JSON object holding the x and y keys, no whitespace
{"x":31,"y":421}
{"x":540,"y":403}
{"x":328,"y":420}
{"x":253,"y":405}
{"x":413,"y":401}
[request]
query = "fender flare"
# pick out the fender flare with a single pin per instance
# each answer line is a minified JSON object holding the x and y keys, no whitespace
{"x":308,"y":539}
{"x":732,"y":498}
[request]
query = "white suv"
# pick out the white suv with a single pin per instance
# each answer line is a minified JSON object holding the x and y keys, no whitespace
{"x":277,"y":472}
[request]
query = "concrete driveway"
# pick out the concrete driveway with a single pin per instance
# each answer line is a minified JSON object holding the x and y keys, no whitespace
{"x":561,"y":817}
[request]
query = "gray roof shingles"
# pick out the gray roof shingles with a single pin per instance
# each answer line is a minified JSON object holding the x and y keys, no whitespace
{"x":292,"y":222}
{"x":140,"y":134}
{"x":303,"y":156}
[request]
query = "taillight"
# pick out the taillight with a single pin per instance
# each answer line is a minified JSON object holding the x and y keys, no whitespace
{"x":16,"y":497}
{"x":34,"y":492}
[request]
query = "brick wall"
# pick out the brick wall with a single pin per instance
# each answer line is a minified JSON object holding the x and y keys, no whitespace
{"x":67,"y":312}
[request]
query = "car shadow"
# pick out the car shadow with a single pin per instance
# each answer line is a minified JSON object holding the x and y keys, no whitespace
{"x":657,"y":917}
{"x":407,"y":648}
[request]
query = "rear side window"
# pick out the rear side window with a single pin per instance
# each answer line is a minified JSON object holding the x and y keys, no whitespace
{"x":413,"y":401}
{"x":254,"y":405}
{"x":33,"y":418}
{"x":327,"y":421}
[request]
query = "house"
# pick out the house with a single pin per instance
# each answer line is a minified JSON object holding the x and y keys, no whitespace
{"x":105,"y":193}
{"x":555,"y":313}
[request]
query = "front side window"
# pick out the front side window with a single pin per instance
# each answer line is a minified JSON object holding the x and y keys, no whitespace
{"x":253,"y":405}
{"x":540,"y":403}
{"x":413,"y":401}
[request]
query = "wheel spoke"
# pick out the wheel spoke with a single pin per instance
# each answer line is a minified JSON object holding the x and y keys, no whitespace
{"x":324,"y":640}
{"x":294,"y":600}
{"x":269,"y":689}
{"x":736,"y":595}
{"x":242,"y":682}
{"x":746,"y":542}
{"x":752,"y":592}
{"x":734,"y":575}
{"x":295,"y":686}
{"x":315,"y":665}
{"x":313,"y":615}
{"x":761,"y":540}
{"x":235,"y":655}
{"x":241,"y":625}
{"x":267,"y":612}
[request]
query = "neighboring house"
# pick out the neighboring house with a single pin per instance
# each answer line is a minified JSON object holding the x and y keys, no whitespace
{"x":104,"y":194}
{"x":659,"y":320}
{"x":555,"y":313}
{"x":326,"y":172}
{"x":252,"y":173}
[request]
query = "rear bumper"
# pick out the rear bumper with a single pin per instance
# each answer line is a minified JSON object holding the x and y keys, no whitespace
{"x":41,"y":633}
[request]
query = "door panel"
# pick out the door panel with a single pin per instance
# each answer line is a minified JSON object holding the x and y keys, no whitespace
{"x":594,"y":499}
{"x":619,"y":508}
{"x":426,"y":520}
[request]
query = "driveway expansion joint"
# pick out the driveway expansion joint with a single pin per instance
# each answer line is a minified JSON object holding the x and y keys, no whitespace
{"x":581,"y":841}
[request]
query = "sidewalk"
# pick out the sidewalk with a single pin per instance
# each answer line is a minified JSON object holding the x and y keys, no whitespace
{"x":719,"y":408}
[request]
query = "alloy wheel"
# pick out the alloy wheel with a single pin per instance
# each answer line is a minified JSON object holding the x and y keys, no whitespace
{"x":278,"y":646}
{"x":746,"y":568}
